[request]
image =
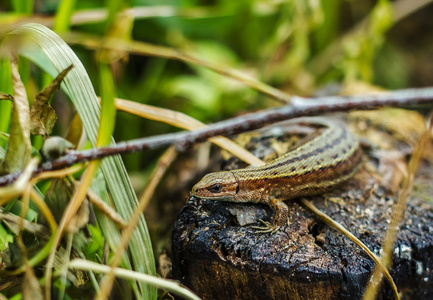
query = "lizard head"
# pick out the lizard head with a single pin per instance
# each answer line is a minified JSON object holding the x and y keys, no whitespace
{"x":219,"y":185}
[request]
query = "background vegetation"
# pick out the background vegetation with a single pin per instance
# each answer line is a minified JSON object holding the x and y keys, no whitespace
{"x":166,"y":54}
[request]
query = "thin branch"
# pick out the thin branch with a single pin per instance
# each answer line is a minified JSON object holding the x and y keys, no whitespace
{"x":183,"y":140}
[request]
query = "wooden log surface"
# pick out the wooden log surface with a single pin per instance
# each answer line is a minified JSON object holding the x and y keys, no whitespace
{"x":219,"y":255}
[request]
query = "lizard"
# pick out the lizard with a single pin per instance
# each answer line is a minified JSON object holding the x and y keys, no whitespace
{"x":327,"y":159}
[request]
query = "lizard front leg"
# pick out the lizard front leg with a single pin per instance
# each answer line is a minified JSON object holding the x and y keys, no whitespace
{"x":281,"y":217}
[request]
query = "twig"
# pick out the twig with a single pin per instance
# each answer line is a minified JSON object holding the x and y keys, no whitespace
{"x":183,"y":140}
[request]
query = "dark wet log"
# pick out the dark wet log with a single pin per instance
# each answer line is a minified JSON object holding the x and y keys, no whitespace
{"x":219,"y":259}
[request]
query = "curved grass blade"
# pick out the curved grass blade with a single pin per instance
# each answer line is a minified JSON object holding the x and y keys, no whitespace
{"x":79,"y":87}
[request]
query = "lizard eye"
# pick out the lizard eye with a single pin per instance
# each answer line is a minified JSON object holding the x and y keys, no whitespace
{"x":216,"y":188}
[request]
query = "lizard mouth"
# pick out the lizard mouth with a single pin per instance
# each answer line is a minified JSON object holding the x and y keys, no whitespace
{"x":208,"y":196}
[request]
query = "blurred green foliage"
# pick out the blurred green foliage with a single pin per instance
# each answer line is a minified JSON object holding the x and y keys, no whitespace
{"x":303,"y":47}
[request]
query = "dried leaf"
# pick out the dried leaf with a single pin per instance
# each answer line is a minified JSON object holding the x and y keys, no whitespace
{"x":16,"y":224}
{"x":31,"y":288}
{"x":75,"y":131}
{"x":57,"y":197}
{"x":42,"y":115}
{"x":19,"y":147}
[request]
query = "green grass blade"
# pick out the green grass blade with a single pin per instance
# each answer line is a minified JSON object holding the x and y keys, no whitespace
{"x":5,"y":87}
{"x":63,"y":17}
{"x":23,"y":6}
{"x":108,"y":113}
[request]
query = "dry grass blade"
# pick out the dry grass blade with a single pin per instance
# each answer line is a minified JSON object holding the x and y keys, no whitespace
{"x":170,"y":285}
{"x":91,"y":16}
{"x":27,"y":192}
{"x":16,"y":189}
{"x":25,"y":207}
{"x":58,"y":173}
{"x":159,"y":171}
{"x":181,"y":120}
{"x":399,"y":210}
{"x":140,"y":48}
{"x":4,"y":96}
{"x":106,"y":209}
